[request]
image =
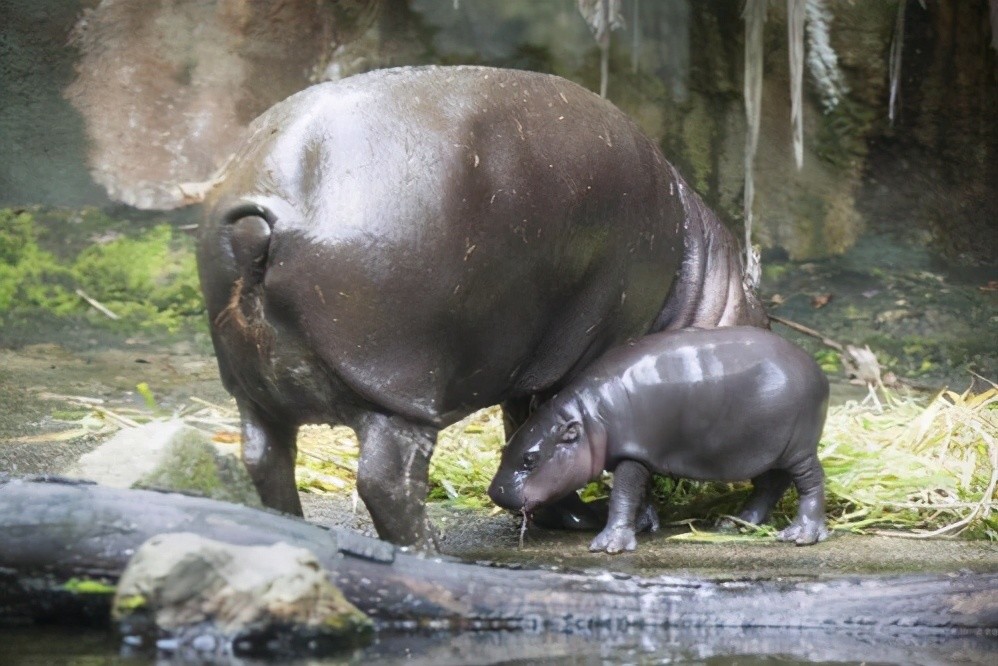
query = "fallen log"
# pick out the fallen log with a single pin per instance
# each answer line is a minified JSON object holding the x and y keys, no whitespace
{"x":54,"y":530}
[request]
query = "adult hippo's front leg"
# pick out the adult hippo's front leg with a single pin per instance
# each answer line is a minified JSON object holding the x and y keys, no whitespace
{"x":393,"y":477}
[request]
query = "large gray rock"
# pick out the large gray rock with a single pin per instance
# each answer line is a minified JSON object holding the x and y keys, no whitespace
{"x":168,"y":455}
{"x":189,"y":593}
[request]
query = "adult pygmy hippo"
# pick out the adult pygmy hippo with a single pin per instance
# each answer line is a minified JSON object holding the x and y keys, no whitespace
{"x":724,"y":404}
{"x":398,"y":249}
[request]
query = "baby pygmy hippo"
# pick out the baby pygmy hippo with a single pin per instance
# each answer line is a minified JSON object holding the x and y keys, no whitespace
{"x":723,"y":404}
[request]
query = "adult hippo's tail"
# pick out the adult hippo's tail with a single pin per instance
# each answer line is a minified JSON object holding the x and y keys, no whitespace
{"x":232,"y":260}
{"x":710,"y":287}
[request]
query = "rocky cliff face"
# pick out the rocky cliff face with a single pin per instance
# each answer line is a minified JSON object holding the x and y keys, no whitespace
{"x":162,"y":91}
{"x":166,"y":88}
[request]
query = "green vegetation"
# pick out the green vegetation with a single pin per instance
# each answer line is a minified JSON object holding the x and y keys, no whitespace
{"x":146,"y":277}
{"x":87,"y":586}
{"x":130,"y":603}
{"x":829,"y":360}
{"x":463,"y":463}
{"x":909,"y":468}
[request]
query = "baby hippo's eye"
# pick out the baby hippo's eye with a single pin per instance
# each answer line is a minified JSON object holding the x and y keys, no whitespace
{"x":530,"y":459}
{"x":571,"y":433}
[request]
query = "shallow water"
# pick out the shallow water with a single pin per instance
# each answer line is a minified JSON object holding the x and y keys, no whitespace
{"x":716,"y":647}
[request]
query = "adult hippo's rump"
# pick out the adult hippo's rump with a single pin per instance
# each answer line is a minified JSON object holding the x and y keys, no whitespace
{"x":398,"y":249}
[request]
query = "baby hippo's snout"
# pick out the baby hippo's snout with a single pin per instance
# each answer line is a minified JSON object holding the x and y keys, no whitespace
{"x":506,"y":493}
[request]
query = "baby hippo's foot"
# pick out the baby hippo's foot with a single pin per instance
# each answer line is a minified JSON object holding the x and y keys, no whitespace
{"x":804,"y":532}
{"x":614,"y":540}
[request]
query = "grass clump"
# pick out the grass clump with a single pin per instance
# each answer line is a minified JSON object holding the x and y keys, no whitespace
{"x":466,"y":459}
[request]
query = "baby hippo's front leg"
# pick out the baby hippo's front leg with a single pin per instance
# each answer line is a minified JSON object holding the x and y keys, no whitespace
{"x":627,"y":500}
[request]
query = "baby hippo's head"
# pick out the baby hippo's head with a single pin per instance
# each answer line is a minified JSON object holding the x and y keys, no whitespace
{"x":556,"y":451}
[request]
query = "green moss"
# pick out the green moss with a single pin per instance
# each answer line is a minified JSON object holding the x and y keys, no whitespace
{"x":829,"y":360}
{"x":87,"y":586}
{"x":150,"y":279}
{"x":191,"y":464}
{"x":130,"y":603}
{"x":30,"y":276}
{"x":840,"y":137}
{"x":147,"y":278}
{"x":773,"y":272}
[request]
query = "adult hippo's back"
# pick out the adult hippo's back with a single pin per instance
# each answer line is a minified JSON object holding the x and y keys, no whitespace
{"x":400,"y":248}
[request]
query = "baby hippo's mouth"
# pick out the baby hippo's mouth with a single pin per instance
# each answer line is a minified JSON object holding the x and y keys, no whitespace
{"x":509,"y":496}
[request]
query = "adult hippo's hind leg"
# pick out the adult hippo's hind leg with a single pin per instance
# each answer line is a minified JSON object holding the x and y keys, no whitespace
{"x":809,"y":525}
{"x":568,"y":513}
{"x":269,"y":451}
{"x":393,"y":477}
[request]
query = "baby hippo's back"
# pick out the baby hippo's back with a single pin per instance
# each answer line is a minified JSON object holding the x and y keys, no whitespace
{"x":719,"y":404}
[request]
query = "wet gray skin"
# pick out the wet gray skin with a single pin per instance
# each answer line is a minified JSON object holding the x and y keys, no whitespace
{"x":397,"y":249}
{"x":723,"y":404}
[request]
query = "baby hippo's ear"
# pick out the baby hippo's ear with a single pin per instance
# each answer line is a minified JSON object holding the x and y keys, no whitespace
{"x":570,"y":434}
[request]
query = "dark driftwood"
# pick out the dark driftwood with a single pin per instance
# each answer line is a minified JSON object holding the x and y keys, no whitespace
{"x":51,"y":531}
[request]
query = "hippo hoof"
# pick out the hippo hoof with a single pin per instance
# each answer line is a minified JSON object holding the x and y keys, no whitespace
{"x":804,"y":534}
{"x":614,"y":540}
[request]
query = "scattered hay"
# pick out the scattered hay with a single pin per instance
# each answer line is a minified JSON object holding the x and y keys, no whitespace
{"x":466,"y":459}
{"x":463,"y":464}
{"x":920,"y":471}
{"x":903,"y":468}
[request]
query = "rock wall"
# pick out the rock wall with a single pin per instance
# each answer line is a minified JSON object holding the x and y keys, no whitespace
{"x":162,"y":90}
{"x":42,"y":138}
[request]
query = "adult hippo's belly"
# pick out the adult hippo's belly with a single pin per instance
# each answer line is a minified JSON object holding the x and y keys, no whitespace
{"x":398,"y":249}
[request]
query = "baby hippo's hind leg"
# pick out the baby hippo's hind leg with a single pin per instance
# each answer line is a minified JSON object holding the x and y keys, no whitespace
{"x":809,"y":525}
